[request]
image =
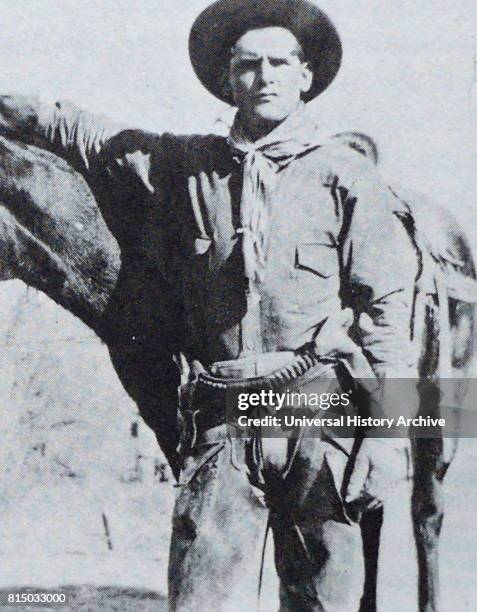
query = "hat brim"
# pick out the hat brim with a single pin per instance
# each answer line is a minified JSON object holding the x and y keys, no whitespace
{"x":218,"y":28}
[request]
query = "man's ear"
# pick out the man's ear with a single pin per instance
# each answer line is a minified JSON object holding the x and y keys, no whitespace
{"x":226,"y":84}
{"x":307,"y":78}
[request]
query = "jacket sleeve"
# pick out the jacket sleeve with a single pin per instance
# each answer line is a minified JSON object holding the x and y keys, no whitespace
{"x":380,"y":267}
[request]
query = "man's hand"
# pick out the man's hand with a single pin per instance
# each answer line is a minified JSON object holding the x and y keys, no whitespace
{"x":380,"y":465}
{"x":334,"y":342}
{"x":333,"y":339}
{"x":130,"y":151}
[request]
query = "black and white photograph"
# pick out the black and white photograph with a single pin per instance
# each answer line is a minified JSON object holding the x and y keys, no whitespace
{"x":238,"y":309}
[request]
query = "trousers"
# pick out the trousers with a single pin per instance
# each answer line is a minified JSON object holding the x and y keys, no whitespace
{"x":220,"y":519}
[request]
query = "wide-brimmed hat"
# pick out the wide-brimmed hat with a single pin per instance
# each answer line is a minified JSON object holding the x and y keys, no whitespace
{"x":219,"y":26}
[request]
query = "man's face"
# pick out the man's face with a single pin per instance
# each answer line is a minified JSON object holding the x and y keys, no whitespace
{"x":267,"y":75}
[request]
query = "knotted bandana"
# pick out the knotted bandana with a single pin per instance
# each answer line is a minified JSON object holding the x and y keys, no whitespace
{"x":262,"y":160}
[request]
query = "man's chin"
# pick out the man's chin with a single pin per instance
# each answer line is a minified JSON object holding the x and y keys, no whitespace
{"x":266,"y":114}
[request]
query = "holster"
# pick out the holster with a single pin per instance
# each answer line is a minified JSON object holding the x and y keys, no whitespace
{"x":283,"y":467}
{"x":203,"y":406}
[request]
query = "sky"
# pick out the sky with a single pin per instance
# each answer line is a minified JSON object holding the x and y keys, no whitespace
{"x":406,"y":78}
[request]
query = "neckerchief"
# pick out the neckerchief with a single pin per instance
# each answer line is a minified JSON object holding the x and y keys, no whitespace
{"x":262,"y":160}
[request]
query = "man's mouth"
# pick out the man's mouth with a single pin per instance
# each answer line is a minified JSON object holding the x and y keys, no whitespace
{"x":264,"y":96}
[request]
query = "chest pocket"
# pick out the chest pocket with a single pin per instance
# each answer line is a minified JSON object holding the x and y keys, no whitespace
{"x":316,"y":273}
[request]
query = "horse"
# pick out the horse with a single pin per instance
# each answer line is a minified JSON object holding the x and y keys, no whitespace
{"x":76,"y":244}
{"x":56,"y":238}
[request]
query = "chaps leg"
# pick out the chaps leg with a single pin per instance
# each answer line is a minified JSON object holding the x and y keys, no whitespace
{"x":318,"y":553}
{"x":218,"y":528}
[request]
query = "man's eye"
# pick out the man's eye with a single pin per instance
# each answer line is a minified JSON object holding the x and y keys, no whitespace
{"x":245,"y":65}
{"x":278,"y":62}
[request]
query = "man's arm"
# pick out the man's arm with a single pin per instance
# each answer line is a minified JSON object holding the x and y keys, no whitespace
{"x":380,"y":268}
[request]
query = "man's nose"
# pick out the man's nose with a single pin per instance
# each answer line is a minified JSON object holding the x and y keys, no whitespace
{"x":265,"y":74}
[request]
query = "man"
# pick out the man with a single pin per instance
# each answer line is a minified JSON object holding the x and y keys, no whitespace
{"x":272,"y":244}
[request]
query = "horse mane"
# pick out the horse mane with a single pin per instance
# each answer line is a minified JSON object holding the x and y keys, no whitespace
{"x":52,"y":232}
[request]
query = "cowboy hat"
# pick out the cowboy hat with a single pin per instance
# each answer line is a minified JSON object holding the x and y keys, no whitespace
{"x":218,"y":28}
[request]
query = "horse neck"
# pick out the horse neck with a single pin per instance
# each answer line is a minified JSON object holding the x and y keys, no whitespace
{"x":52,"y":234}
